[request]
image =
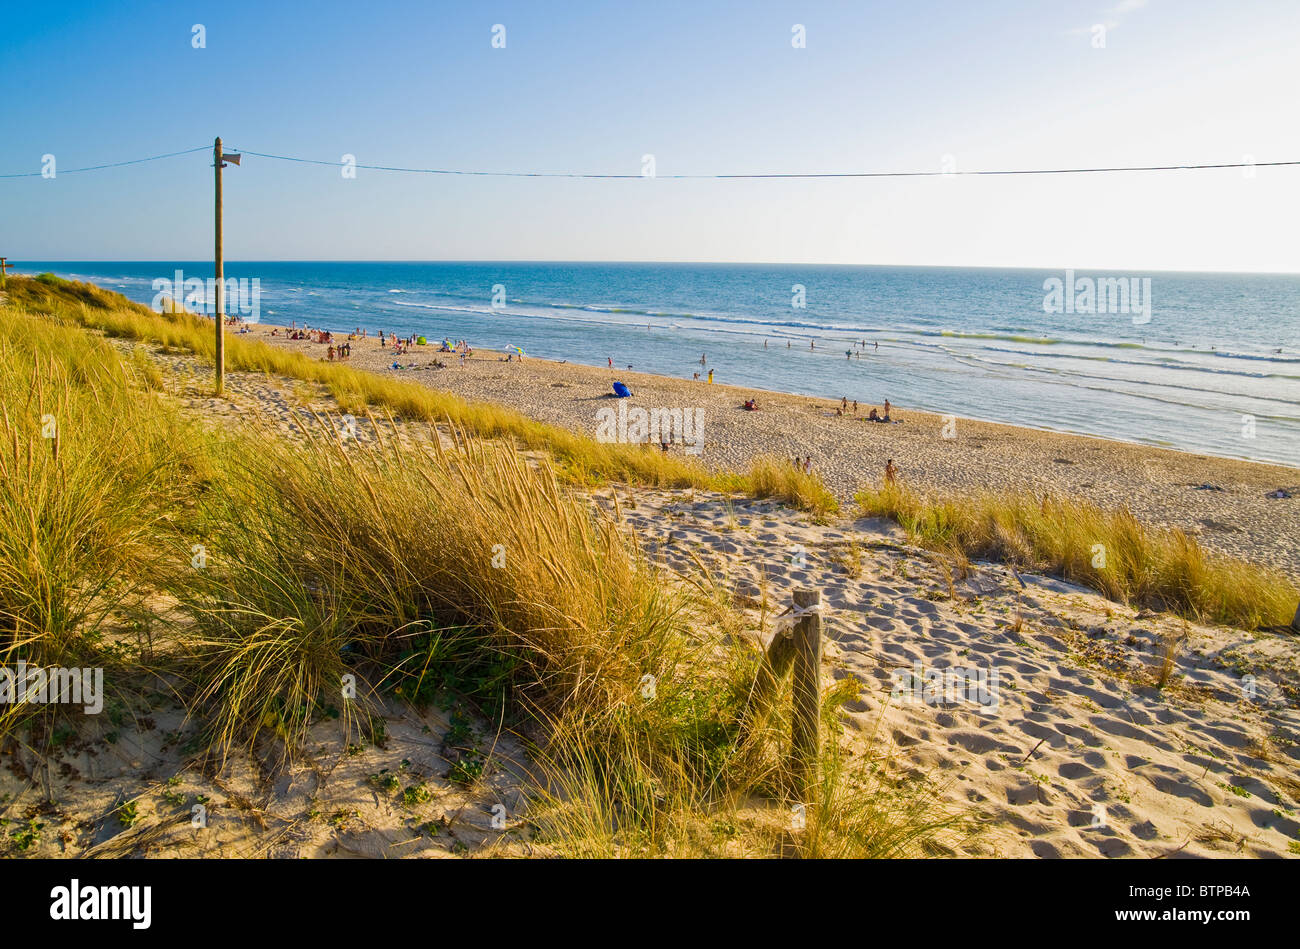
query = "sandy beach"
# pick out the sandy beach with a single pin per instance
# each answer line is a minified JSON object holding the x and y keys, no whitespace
{"x":1222,"y":502}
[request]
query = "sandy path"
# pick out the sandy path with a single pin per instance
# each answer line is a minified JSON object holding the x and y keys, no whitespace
{"x":1080,"y":755}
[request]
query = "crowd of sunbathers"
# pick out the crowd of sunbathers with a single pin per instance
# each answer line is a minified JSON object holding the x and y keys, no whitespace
{"x":313,"y":336}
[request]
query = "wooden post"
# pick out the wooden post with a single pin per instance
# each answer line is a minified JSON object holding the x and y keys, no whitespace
{"x":806,"y":720}
{"x":219,"y":316}
{"x":777,"y":659}
{"x":5,"y":267}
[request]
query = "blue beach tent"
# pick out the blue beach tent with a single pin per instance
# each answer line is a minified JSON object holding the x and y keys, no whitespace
{"x":622,"y":391}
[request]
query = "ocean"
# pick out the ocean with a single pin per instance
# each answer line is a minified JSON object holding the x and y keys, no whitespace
{"x":1200,"y":362}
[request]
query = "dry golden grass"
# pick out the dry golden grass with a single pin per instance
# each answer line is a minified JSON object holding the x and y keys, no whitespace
{"x":778,"y":478}
{"x":93,"y":469}
{"x":1109,"y":551}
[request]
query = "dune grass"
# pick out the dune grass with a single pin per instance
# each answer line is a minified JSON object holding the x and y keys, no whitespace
{"x":92,"y":471}
{"x":1109,"y":551}
{"x":273,"y":574}
{"x":778,"y":478}
{"x":579,"y":459}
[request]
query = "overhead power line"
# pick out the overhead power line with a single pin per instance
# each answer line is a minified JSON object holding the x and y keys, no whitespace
{"x":724,"y":177}
{"x":114,"y":164}
{"x":828,"y":174}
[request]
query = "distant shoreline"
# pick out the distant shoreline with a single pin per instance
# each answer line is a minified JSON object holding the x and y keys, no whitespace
{"x":1037,"y":268}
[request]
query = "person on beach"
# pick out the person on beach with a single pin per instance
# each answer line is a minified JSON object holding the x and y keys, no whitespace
{"x":877,"y":344}
{"x":611,"y":362}
{"x":697,"y":377}
{"x":702,"y":359}
{"x":807,"y":465}
{"x":765,"y":345}
{"x":855,"y":406}
{"x":874,"y":416}
{"x":886,"y":410}
{"x":710,"y":377}
{"x":891,"y":472}
{"x":844,"y":403}
{"x":331,"y":353}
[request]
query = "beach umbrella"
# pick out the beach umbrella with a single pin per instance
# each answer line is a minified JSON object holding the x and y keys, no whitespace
{"x":515,"y":349}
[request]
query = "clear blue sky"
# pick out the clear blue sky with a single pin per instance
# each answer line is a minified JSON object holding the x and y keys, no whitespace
{"x":705,"y":87}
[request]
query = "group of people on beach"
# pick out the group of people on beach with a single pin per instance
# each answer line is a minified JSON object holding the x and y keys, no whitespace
{"x":400,"y":343}
{"x":310,"y":335}
{"x":874,"y":416}
{"x":342,"y":351}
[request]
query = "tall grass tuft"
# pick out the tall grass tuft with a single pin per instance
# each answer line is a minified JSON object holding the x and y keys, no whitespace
{"x":1109,"y":551}
{"x":93,"y":470}
{"x":778,"y":478}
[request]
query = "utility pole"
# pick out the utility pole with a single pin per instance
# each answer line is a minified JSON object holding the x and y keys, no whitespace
{"x":5,"y":267}
{"x":219,"y":161}
{"x":220,"y":275}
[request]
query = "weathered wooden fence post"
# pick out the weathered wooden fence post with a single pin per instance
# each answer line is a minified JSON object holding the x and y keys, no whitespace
{"x":797,"y":647}
{"x":806,"y":718}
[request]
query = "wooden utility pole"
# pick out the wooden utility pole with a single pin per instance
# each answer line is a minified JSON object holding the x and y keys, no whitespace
{"x":5,"y":267}
{"x":220,"y":272}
